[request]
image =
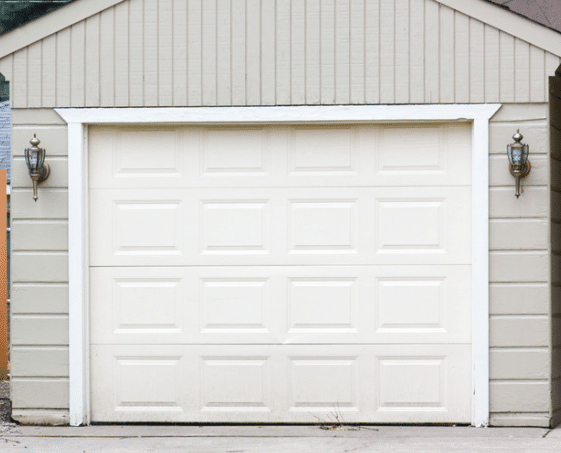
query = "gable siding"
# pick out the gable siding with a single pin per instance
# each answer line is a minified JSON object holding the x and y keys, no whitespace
{"x":284,"y":52}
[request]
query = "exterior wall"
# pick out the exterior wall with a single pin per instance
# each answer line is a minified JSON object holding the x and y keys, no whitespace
{"x":520,"y":339}
{"x":284,"y":52}
{"x":294,"y":54}
{"x":39,"y":297}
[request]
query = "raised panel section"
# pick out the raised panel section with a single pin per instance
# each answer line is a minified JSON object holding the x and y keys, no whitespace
{"x":421,"y":304}
{"x":422,"y":225}
{"x":147,"y":305}
{"x":323,"y":226}
{"x":407,"y":304}
{"x":323,"y":383}
{"x":147,"y":227}
{"x":147,"y":383}
{"x":425,"y":155}
{"x":137,"y":156}
{"x":139,"y":227}
{"x":235,"y":305}
{"x":412,"y":225}
{"x":285,"y":383}
{"x":147,"y":153}
{"x":322,"y":304}
{"x":235,"y":227}
{"x":236,"y":384}
{"x":323,"y":150}
{"x":240,"y":151}
{"x":412,"y":382}
{"x":406,"y":150}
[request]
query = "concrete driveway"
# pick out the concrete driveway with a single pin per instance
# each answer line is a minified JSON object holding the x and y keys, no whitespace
{"x":275,"y":439}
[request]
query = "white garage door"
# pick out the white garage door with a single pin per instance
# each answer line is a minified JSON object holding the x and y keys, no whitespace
{"x":281,"y":274}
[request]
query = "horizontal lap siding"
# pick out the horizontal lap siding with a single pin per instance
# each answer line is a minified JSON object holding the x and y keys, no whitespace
{"x":283,"y":52}
{"x":520,"y":338}
{"x":39,"y":271}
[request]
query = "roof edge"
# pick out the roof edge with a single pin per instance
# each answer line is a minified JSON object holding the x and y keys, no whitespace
{"x":51,"y":23}
{"x":510,"y":22}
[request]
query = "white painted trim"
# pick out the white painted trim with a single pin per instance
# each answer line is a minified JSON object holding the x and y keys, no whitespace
{"x":77,"y":270}
{"x":79,"y":119}
{"x":509,"y":22}
{"x":51,"y":23}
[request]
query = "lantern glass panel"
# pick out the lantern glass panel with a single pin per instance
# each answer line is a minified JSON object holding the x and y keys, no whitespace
{"x":515,"y":154}
{"x":525,"y":151}
{"x":31,"y":159}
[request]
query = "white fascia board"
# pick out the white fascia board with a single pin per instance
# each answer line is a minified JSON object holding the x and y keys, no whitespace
{"x":514,"y":24}
{"x":51,"y":23}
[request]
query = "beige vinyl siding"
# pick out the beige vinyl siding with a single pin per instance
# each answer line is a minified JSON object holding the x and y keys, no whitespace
{"x":520,"y":339}
{"x":177,"y":53}
{"x":39,"y":247}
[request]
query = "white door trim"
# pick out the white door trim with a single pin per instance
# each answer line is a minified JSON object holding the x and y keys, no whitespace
{"x":79,"y":119}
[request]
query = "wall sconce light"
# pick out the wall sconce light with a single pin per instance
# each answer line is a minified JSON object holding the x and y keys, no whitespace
{"x":39,"y":171}
{"x":518,"y":157}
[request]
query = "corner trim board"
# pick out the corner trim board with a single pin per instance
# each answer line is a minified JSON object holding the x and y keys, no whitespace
{"x":79,"y":119}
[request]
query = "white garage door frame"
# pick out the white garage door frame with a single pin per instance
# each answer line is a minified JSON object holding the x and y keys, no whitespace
{"x":79,"y":119}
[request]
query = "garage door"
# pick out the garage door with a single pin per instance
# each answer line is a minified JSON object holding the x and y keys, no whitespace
{"x":280,"y":274}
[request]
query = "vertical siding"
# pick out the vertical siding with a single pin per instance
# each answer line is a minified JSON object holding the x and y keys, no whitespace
{"x":224,"y":55}
{"x":268,"y":57}
{"x":136,"y":53}
{"x":122,"y":55}
{"x":106,"y":70}
{"x":49,"y":70}
{"x":78,"y":65}
{"x":266,"y":52}
{"x":93,"y":61}
{"x":476,"y":61}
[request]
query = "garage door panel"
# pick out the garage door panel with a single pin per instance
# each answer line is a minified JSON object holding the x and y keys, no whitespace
{"x":305,"y":156}
{"x":423,"y":225}
{"x":281,"y":305}
{"x":402,"y":225}
{"x":288,"y":273}
{"x":281,"y":384}
{"x":137,"y":156}
{"x":422,"y":154}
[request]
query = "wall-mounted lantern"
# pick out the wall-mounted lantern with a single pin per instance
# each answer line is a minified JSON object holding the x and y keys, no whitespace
{"x":518,"y":157}
{"x":35,"y":159}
